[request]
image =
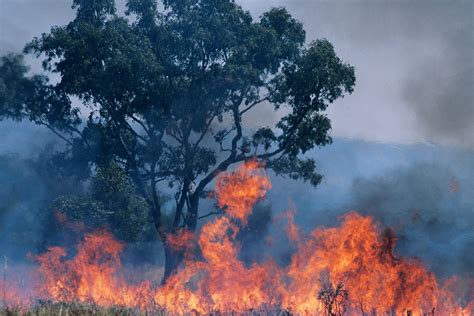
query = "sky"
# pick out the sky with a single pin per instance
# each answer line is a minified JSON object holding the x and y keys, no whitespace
{"x":400,"y":140}
{"x":413,"y":61}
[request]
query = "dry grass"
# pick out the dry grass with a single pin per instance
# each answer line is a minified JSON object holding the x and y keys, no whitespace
{"x":76,"y":309}
{"x":73,"y":309}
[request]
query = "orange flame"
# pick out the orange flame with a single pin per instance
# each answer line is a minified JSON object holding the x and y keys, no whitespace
{"x":181,"y":240}
{"x":221,"y":282}
{"x":93,"y":275}
{"x":360,"y":256}
{"x":239,"y":190}
{"x":355,"y":258}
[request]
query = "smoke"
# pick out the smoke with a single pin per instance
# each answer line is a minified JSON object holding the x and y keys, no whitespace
{"x":439,"y":91}
{"x":424,"y":193}
{"x":24,"y":138}
{"x":430,"y":211}
{"x":413,"y":60}
{"x":414,"y":63}
{"x":21,"y":210}
{"x":26,"y":188}
{"x":414,"y":66}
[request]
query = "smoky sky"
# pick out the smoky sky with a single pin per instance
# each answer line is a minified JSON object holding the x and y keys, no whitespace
{"x":422,"y":193}
{"x":429,"y":209}
{"x":413,"y":60}
{"x":414,"y":69}
{"x":441,"y":91}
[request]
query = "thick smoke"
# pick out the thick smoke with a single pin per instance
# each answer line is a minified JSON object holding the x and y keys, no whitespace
{"x":430,"y":210}
{"x":20,"y":208}
{"x":25,"y":190}
{"x":414,"y":65}
{"x":414,"y":62}
{"x":423,"y":193}
{"x":440,"y":89}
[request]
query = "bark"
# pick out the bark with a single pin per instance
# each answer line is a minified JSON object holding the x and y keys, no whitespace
{"x":156,"y":214}
{"x":174,"y":257}
{"x":172,"y":260}
{"x":192,"y":216}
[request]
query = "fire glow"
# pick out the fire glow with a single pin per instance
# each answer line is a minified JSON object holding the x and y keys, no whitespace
{"x":348,"y":269}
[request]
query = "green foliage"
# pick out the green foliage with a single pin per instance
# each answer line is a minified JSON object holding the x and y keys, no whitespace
{"x":168,"y":92}
{"x":33,"y":97}
{"x":112,"y":203}
{"x":297,"y":169}
{"x":94,"y":11}
{"x":82,"y":209}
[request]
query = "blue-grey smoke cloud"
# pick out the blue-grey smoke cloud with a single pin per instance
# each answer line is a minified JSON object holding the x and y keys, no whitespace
{"x":424,"y":193}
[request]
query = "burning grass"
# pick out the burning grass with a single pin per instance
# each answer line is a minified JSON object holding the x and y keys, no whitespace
{"x":75,"y":309}
{"x":69,"y":309}
{"x":345,"y":270}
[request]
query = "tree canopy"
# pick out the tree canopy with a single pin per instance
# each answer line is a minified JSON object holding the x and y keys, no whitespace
{"x":164,"y":92}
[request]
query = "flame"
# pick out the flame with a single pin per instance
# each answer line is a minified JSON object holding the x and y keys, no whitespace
{"x":221,"y":282}
{"x":359,"y":255}
{"x":239,"y":190}
{"x":92,"y":275}
{"x":16,"y":287}
{"x":348,"y":269}
{"x":181,"y":240}
{"x":292,"y":230}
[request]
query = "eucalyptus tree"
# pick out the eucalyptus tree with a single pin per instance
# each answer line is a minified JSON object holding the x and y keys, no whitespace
{"x":165,"y":92}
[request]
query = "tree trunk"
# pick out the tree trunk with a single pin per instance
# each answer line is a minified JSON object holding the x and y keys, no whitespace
{"x":174,"y":257}
{"x":172,"y":261}
{"x":170,"y":254}
{"x":156,"y":215}
{"x":192,"y":216}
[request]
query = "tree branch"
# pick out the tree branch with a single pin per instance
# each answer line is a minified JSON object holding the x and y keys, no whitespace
{"x":209,"y":214}
{"x":253,"y":104}
{"x":56,"y":132}
{"x":179,"y":140}
{"x":141,"y":124}
{"x":180,"y":205}
{"x":233,"y":151}
{"x":206,"y":128}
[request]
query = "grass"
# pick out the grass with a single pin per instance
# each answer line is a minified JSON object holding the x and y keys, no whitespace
{"x":73,"y":309}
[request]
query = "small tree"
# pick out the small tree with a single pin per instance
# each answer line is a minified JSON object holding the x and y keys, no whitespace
{"x":168,"y":94}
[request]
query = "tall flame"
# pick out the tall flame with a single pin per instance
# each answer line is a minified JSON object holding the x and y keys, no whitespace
{"x":92,"y":275}
{"x":350,"y":269}
{"x":239,"y":190}
{"x":221,"y":282}
{"x":359,"y":255}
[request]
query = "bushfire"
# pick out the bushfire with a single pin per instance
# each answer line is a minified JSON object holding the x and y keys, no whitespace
{"x":345,"y":270}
